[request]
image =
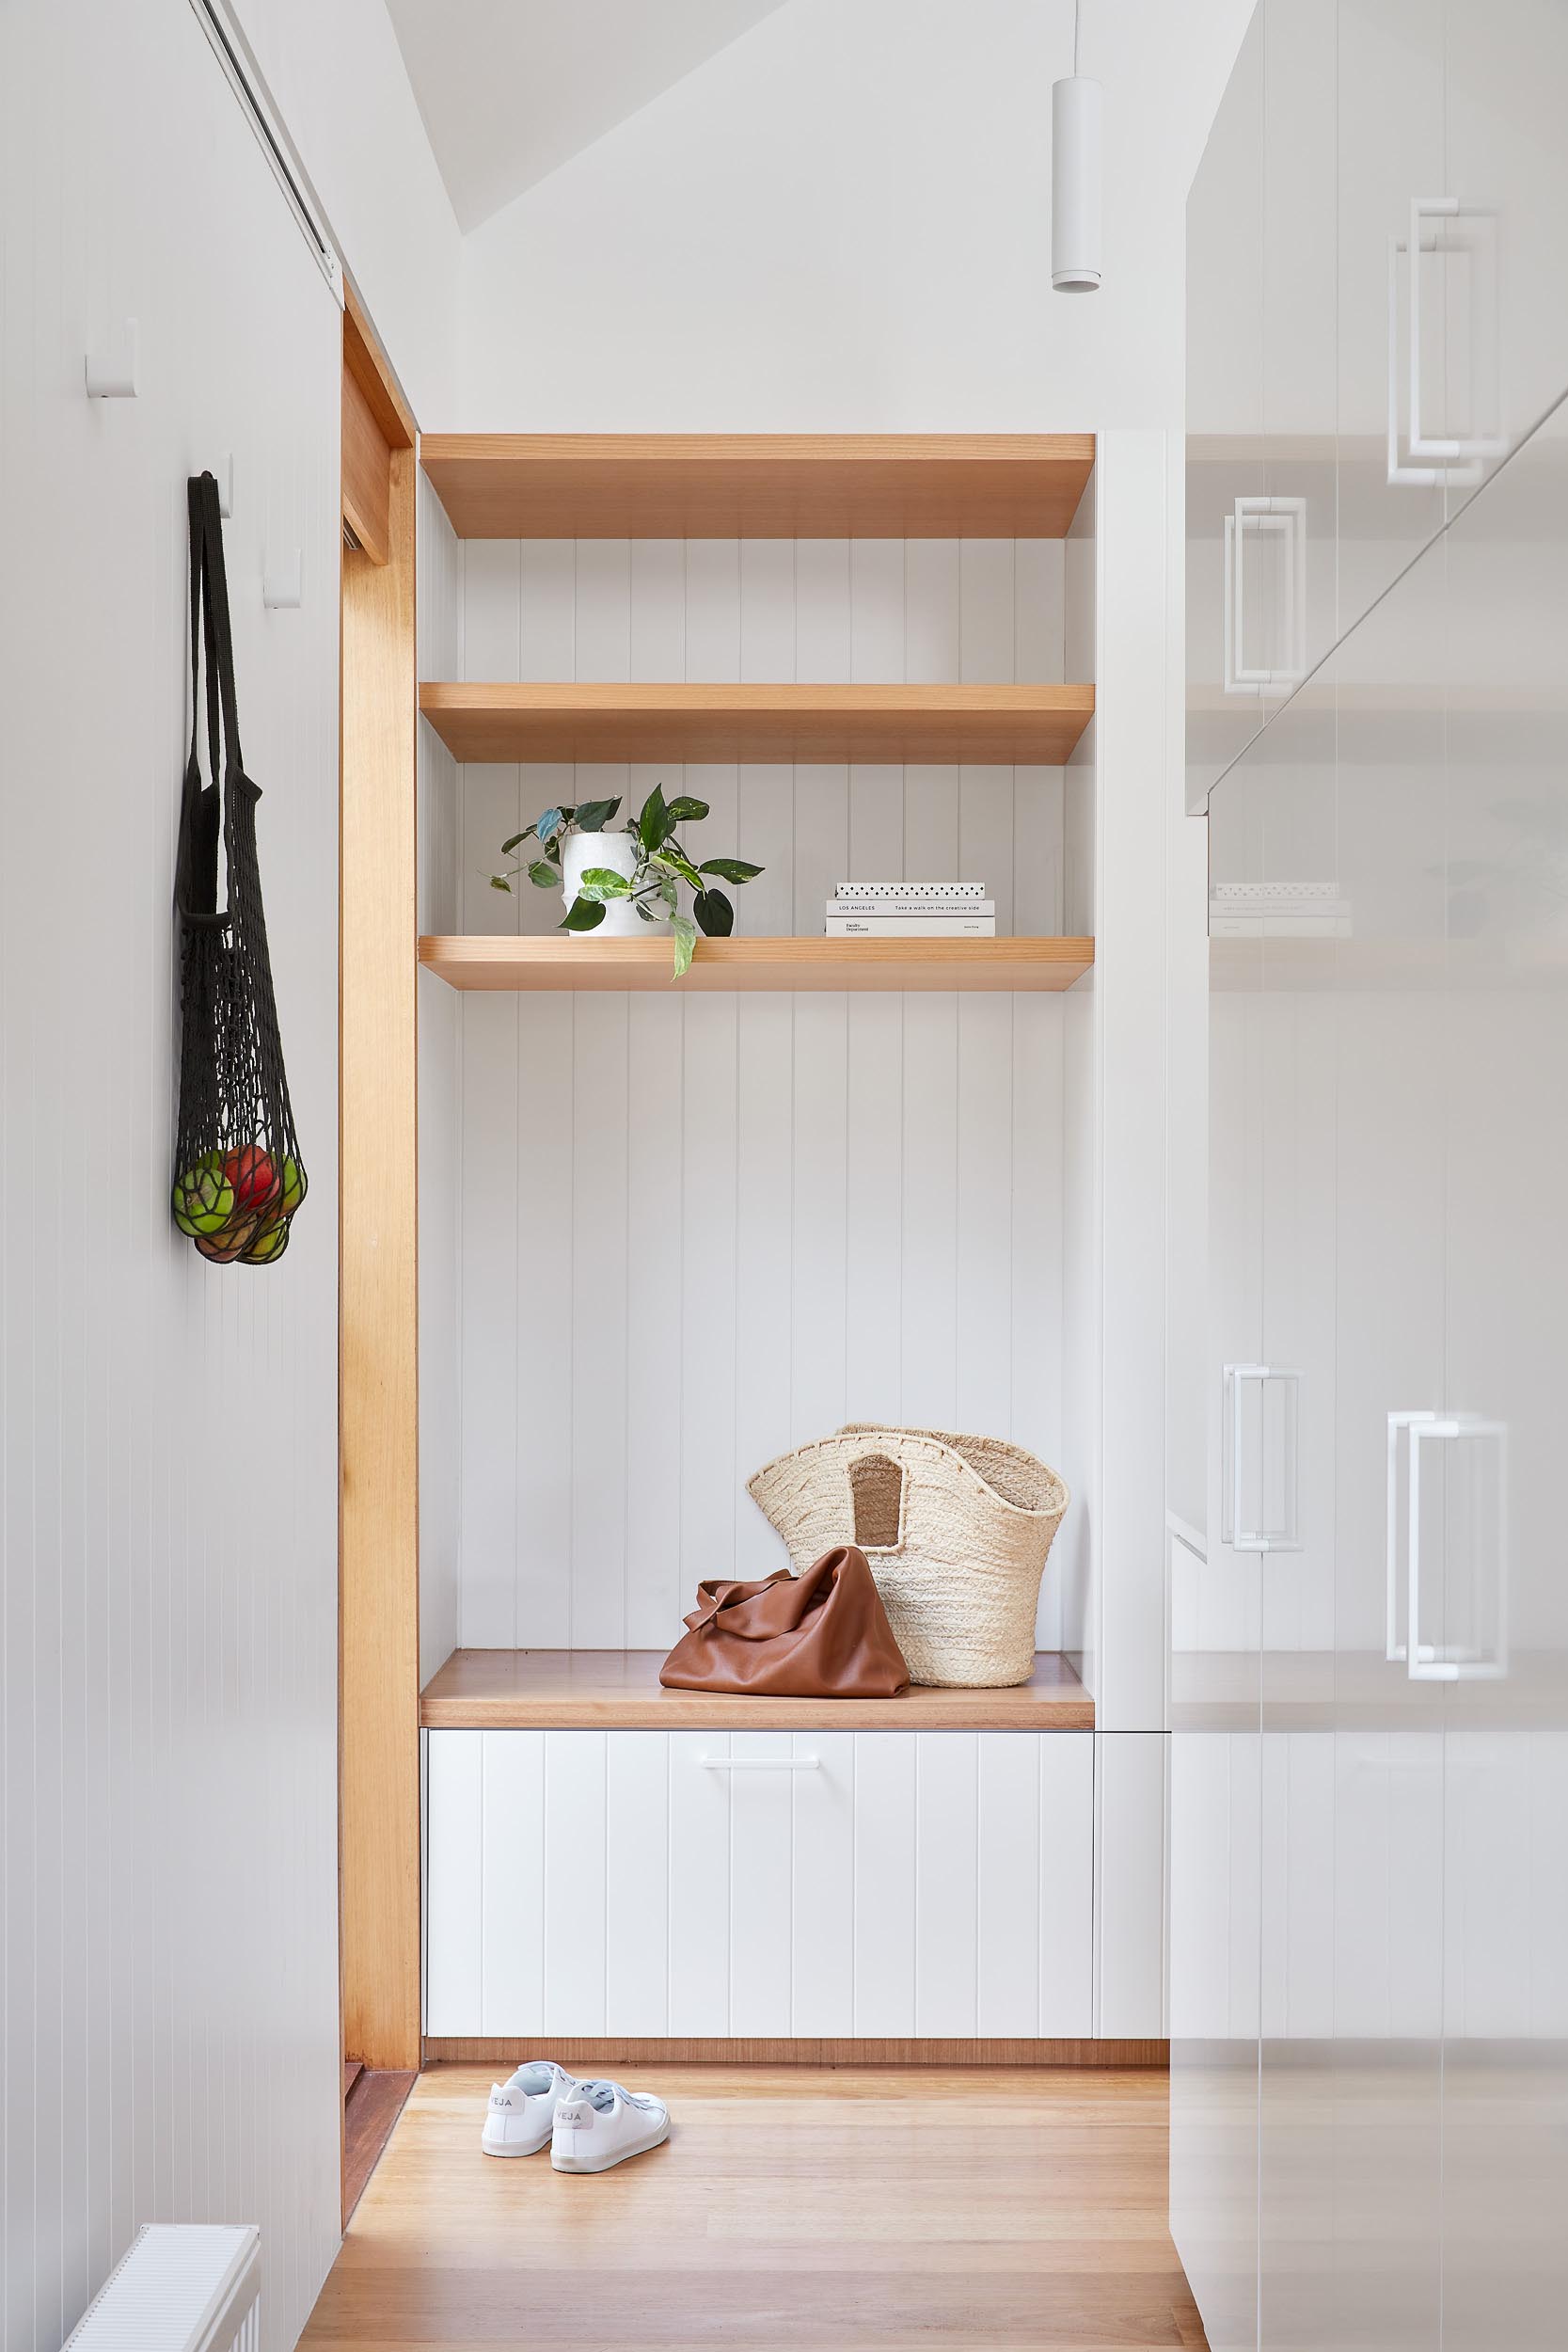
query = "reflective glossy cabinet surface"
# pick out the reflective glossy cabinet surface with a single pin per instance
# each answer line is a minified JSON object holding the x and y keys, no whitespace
{"x":1492,"y":1591}
{"x":1377,"y":313}
{"x":1369,"y":1673}
{"x":1225,"y":704}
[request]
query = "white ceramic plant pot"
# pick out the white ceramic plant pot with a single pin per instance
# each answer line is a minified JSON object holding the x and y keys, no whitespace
{"x":617,"y":851}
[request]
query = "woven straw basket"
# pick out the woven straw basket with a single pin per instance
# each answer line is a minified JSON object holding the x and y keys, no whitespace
{"x":956,"y":1529}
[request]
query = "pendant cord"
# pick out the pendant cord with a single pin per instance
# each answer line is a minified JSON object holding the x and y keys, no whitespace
{"x":1077,"y":10}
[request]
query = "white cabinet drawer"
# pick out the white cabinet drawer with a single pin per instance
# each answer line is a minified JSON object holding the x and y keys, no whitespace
{"x":760,"y":1884}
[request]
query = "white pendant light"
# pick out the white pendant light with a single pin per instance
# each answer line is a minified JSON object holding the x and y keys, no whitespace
{"x":1075,"y":126}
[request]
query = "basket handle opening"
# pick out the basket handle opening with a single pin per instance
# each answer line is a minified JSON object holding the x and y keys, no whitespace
{"x":877,"y":1499}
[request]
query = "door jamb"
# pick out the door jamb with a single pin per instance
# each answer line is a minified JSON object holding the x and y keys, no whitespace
{"x":379,"y":1853}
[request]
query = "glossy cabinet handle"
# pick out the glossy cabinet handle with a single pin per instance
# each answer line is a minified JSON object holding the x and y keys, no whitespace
{"x":1457,"y":460}
{"x":1447,"y":1662}
{"x":757,"y":1763}
{"x":1258,"y":518}
{"x":1396,"y":1650}
{"x":1234,"y":1530}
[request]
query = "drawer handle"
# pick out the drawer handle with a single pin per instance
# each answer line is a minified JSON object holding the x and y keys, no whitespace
{"x":757,"y":1763}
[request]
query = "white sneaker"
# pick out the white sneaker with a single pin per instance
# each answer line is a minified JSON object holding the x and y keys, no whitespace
{"x":600,"y":2123}
{"x":522,"y":2112}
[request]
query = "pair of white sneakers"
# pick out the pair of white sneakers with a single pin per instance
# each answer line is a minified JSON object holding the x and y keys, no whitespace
{"x":586,"y":2126}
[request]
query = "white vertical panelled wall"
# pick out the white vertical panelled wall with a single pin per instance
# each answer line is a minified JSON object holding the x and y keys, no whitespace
{"x":698,"y":1231}
{"x":169,"y":1462}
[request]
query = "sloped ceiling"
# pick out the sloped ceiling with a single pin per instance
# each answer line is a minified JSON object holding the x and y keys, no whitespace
{"x":511,"y":89}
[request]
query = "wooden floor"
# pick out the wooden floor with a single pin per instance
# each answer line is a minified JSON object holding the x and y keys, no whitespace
{"x":792,"y":2207}
{"x":373,"y":2100}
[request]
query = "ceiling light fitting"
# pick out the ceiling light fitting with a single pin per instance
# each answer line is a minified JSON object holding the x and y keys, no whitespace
{"x":1075,"y":176}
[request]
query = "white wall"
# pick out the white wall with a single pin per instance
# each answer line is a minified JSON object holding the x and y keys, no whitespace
{"x":169,"y":1474}
{"x":337,"y":77}
{"x":842,"y":222}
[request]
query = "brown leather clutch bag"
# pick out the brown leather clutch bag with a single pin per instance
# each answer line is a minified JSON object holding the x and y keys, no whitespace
{"x":823,"y":1635}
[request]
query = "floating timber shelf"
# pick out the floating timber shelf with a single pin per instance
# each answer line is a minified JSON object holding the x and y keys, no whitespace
{"x":563,"y":1690}
{"x":1009,"y":725}
{"x":560,"y":962}
{"x":759,"y":486}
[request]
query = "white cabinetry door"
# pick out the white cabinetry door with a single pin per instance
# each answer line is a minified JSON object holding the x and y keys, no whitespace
{"x":1492,"y":1554}
{"x":1231,"y":552}
{"x":1505,"y":318}
{"x":1215,"y":1826}
{"x":1391,"y":154}
{"x":763,"y":1885}
{"x":1294,"y":554}
{"x":1452,"y":295}
{"x":1213,"y":2011}
{"x":1395,"y":1077}
{"x":1288,"y":1435}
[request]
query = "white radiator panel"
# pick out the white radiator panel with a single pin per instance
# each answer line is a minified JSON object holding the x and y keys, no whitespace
{"x":766,"y":1884}
{"x":179,"y":2287}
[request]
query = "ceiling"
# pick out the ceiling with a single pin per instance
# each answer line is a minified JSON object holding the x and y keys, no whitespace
{"x":509,"y":89}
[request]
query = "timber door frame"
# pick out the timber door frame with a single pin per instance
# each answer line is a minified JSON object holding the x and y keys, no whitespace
{"x":378,"y":1616}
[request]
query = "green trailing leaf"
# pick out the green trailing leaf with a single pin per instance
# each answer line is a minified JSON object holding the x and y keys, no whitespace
{"x":662,"y":867}
{"x":583,"y":914}
{"x":685,"y":940}
{"x":652,"y":826}
{"x":673,"y":861}
{"x":715,"y":915}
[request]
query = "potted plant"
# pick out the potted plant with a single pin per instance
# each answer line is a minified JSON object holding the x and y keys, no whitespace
{"x":619,"y":882}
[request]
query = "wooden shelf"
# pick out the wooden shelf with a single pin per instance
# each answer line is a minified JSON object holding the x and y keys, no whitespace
{"x":759,"y":486}
{"x":596,"y":1690}
{"x":561,"y":962}
{"x":1009,"y":725}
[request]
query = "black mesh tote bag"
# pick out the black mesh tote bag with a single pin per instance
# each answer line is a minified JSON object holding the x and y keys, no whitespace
{"x":239,"y":1176}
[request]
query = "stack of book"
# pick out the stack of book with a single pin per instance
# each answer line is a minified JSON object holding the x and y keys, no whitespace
{"x":894,"y":910}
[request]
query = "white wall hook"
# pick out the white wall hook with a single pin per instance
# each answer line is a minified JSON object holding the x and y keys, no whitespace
{"x":283,"y":585}
{"x":111,"y":370}
{"x":224,"y":476}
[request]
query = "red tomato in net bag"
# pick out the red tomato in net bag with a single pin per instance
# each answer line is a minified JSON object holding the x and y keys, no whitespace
{"x":252,"y":1175}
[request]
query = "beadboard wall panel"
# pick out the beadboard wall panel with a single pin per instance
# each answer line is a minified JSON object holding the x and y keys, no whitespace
{"x":169,"y":1455}
{"x":739,"y":610}
{"x":698,"y":1231}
